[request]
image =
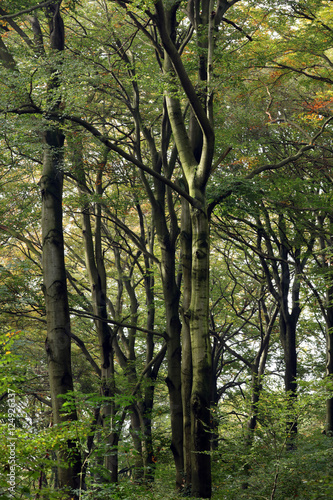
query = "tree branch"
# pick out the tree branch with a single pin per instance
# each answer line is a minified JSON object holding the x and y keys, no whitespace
{"x":29,"y":109}
{"x":274,"y":166}
{"x":25,"y":11}
{"x":87,"y":354}
{"x":84,"y":314}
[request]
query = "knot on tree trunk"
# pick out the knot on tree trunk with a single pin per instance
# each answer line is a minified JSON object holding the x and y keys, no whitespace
{"x":196,"y":404}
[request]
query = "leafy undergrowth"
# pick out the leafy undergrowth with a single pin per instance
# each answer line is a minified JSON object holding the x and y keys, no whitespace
{"x":268,"y":470}
{"x":303,"y":474}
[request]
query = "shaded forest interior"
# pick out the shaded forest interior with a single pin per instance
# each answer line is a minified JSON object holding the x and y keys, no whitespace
{"x":166,"y":239}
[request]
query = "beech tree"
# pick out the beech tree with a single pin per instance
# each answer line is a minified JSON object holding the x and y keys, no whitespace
{"x":129,"y":91}
{"x":58,"y":340}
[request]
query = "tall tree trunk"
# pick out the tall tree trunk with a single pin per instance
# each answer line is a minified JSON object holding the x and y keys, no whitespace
{"x":186,"y":253}
{"x":201,"y":357}
{"x":329,"y":355}
{"x":166,"y":227}
{"x":97,"y":279}
{"x":167,"y":235}
{"x":173,"y":328}
{"x":288,"y":323}
{"x":98,"y":289}
{"x":287,"y":294}
{"x":150,"y":376}
{"x":58,"y":341}
{"x":196,"y":175}
{"x":258,"y":370}
{"x":288,"y":340}
{"x":327,"y":309}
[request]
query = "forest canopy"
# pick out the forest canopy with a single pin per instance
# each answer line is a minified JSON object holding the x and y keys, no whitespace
{"x":166,"y":239}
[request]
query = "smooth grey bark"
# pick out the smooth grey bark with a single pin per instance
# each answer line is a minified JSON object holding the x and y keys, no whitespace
{"x":201,"y":358}
{"x":186,"y":257}
{"x":196,"y":174}
{"x":58,"y":341}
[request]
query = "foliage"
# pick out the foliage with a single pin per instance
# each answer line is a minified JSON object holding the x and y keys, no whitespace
{"x":269,"y":199}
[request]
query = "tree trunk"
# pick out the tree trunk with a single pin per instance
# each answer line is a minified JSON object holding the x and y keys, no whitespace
{"x":186,"y":254}
{"x":150,"y":376}
{"x":167,"y":233}
{"x":327,"y":309}
{"x":201,"y":357}
{"x":58,"y":341}
{"x":173,"y":328}
{"x":196,"y":177}
{"x":288,"y":340}
{"x":329,"y":358}
{"x":329,"y":353}
{"x":287,"y":294}
{"x":97,"y":279}
{"x":104,"y":335}
{"x":197,"y":167}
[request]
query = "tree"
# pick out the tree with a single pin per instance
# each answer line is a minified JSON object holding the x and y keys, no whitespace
{"x":145,"y":167}
{"x":58,"y":341}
